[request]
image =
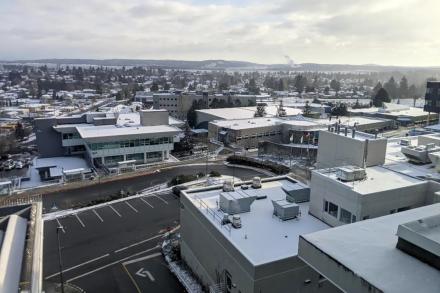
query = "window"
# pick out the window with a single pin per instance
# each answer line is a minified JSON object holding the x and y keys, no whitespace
{"x":345,"y":216}
{"x":331,"y":208}
{"x":353,"y":218}
{"x":228,"y":278}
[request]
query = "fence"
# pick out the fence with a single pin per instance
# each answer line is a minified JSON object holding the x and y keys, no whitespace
{"x":213,"y":213}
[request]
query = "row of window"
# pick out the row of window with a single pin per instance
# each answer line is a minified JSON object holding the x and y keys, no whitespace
{"x":71,"y":136}
{"x":344,"y":215}
{"x":130,"y":143}
{"x":113,"y":160}
{"x":259,"y":135}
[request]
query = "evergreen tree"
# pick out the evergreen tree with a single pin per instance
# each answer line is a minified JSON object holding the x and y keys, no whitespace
{"x":391,"y":87}
{"x":381,"y":97}
{"x":335,"y":85}
{"x":403,"y":88}
{"x":300,"y":83}
{"x":154,"y":87}
{"x":377,"y":88}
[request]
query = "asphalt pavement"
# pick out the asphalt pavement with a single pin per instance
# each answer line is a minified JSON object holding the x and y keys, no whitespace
{"x":114,"y":248}
{"x":82,"y":196}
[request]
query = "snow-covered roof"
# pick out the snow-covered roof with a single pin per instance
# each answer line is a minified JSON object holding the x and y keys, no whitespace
{"x":247,"y":112}
{"x":113,"y":131}
{"x":395,"y":160}
{"x":263,"y":237}
{"x":63,"y":163}
{"x":378,"y":179}
{"x":238,"y":124}
{"x":367,"y":250}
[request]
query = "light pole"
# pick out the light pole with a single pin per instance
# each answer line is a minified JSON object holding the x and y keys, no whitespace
{"x":59,"y":258}
{"x":291,"y":150}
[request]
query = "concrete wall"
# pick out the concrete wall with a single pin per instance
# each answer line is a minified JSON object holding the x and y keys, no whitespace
{"x":209,"y":253}
{"x":49,"y":142}
{"x":335,"y":271}
{"x":372,"y":205}
{"x":339,"y":150}
{"x":152,"y":118}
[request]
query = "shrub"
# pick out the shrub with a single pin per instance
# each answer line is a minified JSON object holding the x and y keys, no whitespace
{"x":268,"y":165}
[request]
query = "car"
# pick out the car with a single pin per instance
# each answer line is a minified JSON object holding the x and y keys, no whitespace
{"x":9,"y":165}
{"x":19,"y":165}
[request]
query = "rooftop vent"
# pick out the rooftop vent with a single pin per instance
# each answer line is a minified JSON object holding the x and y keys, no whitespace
{"x":350,"y":173}
{"x":228,"y":186}
{"x":285,"y":210}
{"x":236,"y":202}
{"x":256,"y":182}
{"x":421,"y":239}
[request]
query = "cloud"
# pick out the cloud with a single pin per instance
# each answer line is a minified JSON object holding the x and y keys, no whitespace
{"x":397,"y":32}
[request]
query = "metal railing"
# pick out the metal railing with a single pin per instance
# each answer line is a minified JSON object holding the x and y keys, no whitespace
{"x":213,"y":213}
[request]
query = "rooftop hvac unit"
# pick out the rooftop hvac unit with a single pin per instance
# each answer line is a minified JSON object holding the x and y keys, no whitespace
{"x":236,"y":221}
{"x":350,"y":173}
{"x":256,"y":182}
{"x":236,"y":202}
{"x":405,"y":142}
{"x":419,"y":154}
{"x":228,"y":186}
{"x":285,"y":210}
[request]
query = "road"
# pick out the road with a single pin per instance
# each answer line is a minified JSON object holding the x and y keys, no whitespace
{"x":82,"y":196}
{"x":114,"y":248}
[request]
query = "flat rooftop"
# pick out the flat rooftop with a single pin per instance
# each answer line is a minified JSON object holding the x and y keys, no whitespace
{"x":393,"y":111}
{"x":367,"y":250}
{"x":238,"y":124}
{"x":395,"y":160}
{"x":112,"y":130}
{"x":378,"y":179}
{"x":247,"y":112}
{"x":263,"y":237}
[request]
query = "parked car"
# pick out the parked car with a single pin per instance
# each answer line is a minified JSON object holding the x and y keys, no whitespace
{"x":19,"y":165}
{"x":9,"y":165}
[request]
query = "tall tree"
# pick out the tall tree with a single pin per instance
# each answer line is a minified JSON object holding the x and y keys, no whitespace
{"x":391,"y":87}
{"x":381,"y":97}
{"x":377,"y":88}
{"x":335,"y":85}
{"x":300,"y":83}
{"x":403,"y":88}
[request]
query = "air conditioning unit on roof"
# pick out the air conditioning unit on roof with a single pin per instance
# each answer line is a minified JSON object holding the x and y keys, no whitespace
{"x":350,"y":173}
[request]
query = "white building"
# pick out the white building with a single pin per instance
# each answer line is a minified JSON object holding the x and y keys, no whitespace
{"x":398,"y":253}
{"x":246,"y":239}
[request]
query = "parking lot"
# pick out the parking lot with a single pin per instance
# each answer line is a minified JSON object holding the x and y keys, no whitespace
{"x":114,"y":248}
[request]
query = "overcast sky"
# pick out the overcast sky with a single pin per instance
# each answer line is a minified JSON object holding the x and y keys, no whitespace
{"x":389,"y":32}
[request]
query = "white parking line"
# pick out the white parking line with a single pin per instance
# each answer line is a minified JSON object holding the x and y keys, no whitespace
{"x":62,"y":227}
{"x":99,"y":217}
{"x":115,"y":211}
{"x":146,"y":202}
{"x":160,"y":198}
{"x":110,"y":264}
{"x":141,"y":258}
{"x":79,"y":220}
{"x":132,"y":207}
{"x":137,"y":243}
{"x":79,"y":265}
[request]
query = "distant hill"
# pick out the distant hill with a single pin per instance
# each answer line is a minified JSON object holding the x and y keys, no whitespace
{"x":218,"y":65}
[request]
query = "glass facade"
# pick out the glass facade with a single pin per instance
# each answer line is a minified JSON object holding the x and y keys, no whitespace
{"x":113,"y":160}
{"x":130,"y":143}
{"x":138,"y":157}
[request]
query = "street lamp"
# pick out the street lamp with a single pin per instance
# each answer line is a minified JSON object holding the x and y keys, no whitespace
{"x":59,"y":258}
